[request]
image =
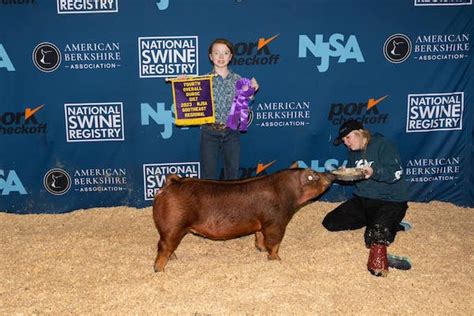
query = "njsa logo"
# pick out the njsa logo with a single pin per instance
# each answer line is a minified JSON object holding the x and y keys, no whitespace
{"x":337,"y":46}
{"x":435,"y":112}
{"x":87,"y":6}
{"x":5,"y":61}
{"x":10,"y":182}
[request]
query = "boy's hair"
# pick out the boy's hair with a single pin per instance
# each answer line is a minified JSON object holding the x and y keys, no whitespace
{"x":224,"y":41}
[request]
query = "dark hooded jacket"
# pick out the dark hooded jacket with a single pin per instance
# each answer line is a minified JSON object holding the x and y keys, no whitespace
{"x":387,"y":182}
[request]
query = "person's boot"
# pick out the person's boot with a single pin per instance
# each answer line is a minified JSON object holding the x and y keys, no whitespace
{"x":378,"y":262}
{"x":404,"y":226}
{"x":398,"y":262}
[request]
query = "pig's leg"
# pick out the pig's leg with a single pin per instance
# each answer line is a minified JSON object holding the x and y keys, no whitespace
{"x":273,"y":252}
{"x":273,"y":236}
{"x":259,"y":241}
{"x":166,"y":247}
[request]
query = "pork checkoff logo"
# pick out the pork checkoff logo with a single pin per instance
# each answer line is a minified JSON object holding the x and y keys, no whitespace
{"x":154,"y":175}
{"x":427,"y":47}
{"x":435,"y":112}
{"x":167,"y":56}
{"x":256,"y":53}
{"x":366,"y":112}
{"x":84,"y":56}
{"x":87,"y":6}
{"x":93,"y":122}
{"x":22,"y":123}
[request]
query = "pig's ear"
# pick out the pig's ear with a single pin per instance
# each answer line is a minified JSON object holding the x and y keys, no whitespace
{"x":294,"y":165}
{"x":171,"y":178}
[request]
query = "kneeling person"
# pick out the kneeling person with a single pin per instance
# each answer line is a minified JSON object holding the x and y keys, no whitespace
{"x":380,"y":200}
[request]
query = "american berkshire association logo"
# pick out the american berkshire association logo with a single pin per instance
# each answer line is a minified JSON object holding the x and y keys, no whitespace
{"x":397,"y":48}
{"x":57,"y":181}
{"x":46,"y":57}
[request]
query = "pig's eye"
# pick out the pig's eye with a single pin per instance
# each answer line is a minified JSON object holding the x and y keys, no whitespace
{"x":310,"y":178}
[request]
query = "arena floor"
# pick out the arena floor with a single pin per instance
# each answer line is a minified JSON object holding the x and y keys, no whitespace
{"x":99,"y":261}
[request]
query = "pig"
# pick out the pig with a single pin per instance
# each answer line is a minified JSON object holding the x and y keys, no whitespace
{"x":221,"y":210}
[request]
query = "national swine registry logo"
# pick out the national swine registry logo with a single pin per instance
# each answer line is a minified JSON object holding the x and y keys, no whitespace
{"x":167,"y":56}
{"x":46,"y":57}
{"x":435,"y":112}
{"x":87,"y":6}
{"x":57,"y":181}
{"x":154,"y":175}
{"x":93,"y":122}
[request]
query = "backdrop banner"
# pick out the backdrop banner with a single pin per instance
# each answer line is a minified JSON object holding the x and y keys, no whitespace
{"x":87,"y":118}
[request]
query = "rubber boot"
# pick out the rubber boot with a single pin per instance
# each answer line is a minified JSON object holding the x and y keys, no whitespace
{"x":378,"y":262}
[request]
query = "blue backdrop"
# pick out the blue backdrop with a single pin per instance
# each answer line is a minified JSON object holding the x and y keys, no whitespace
{"x":86,"y":114}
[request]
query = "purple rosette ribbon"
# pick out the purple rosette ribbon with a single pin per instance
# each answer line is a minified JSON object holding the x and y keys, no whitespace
{"x":239,"y":113}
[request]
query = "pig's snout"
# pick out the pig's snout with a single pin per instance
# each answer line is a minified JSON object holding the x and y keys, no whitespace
{"x":331,"y":177}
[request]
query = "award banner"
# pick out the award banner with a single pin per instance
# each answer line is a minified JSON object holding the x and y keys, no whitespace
{"x":193,"y":101}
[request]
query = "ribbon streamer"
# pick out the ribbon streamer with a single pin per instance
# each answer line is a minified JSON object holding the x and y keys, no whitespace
{"x":239,"y":113}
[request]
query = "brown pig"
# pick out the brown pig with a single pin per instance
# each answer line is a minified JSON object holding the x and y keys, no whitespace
{"x":222,"y":210}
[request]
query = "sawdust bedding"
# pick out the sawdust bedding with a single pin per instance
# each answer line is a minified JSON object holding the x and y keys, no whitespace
{"x":100,"y":261}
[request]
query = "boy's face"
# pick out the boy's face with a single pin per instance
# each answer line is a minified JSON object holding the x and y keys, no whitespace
{"x":220,"y":55}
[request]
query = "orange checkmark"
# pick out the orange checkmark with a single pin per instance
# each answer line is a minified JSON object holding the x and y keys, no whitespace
{"x":29,"y":112}
{"x":261,"y":167}
{"x":372,"y":102}
{"x":262,"y":41}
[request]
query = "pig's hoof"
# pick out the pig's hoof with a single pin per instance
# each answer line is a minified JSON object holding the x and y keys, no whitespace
{"x":274,"y":257}
{"x":259,"y":248}
{"x":157,"y":267}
